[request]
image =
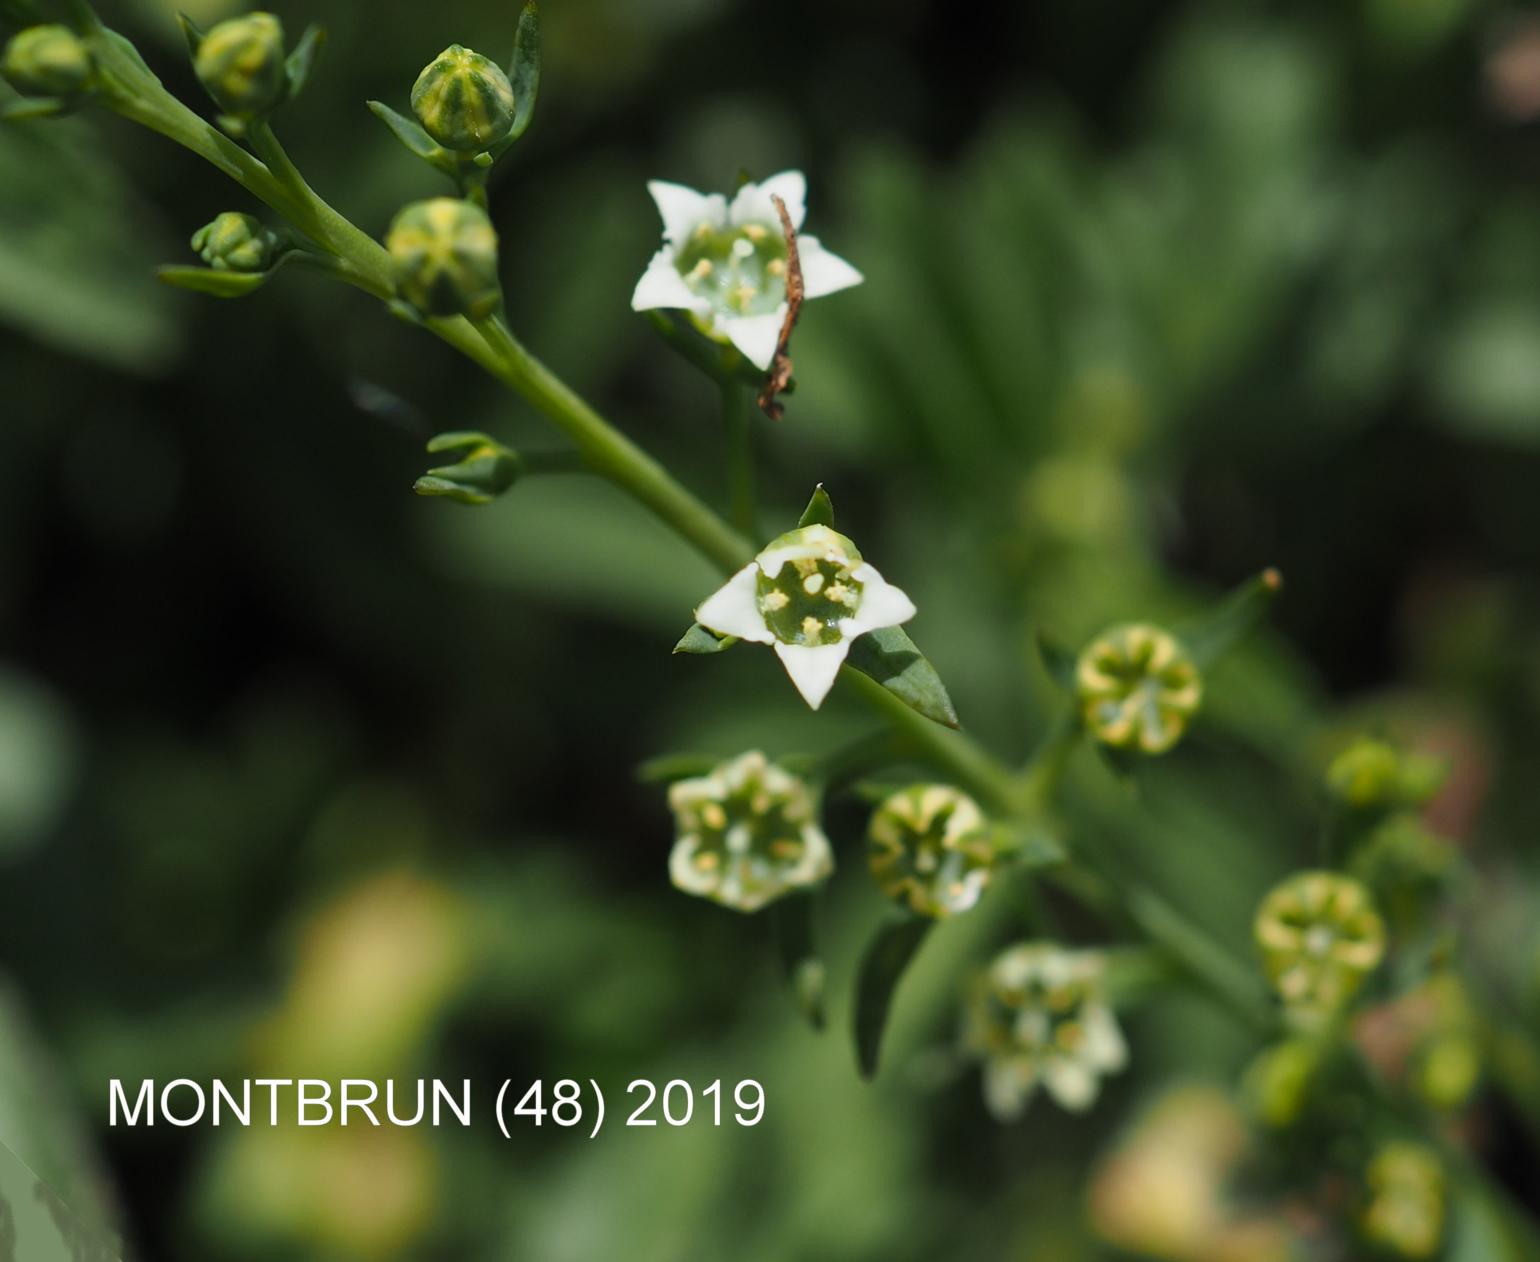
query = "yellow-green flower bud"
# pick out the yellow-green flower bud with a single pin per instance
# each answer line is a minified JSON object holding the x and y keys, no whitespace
{"x":464,"y":100}
{"x":47,"y":61}
{"x":1278,"y":1082}
{"x":1138,"y":688}
{"x":1365,"y":774}
{"x":445,"y":252}
{"x":1407,"y":1199}
{"x":1320,"y":937}
{"x":929,"y":849}
{"x":236,"y":243}
{"x":241,"y":64}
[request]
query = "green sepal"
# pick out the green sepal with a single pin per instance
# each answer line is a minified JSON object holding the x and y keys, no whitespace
{"x":34,"y":107}
{"x":1057,"y":660}
{"x":699,"y":641}
{"x":721,"y":363}
{"x":192,"y":33}
{"x":301,"y":63}
{"x":215,"y":282}
{"x":819,"y":510}
{"x":891,"y":658}
{"x":524,"y":75}
{"x":801,"y":964}
{"x":411,"y":134}
{"x":666,"y":768}
{"x":487,"y":471}
{"x":1209,"y":637}
{"x":887,"y":957}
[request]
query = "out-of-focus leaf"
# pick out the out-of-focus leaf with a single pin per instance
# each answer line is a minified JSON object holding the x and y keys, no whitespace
{"x":800,"y":961}
{"x":1210,"y":636}
{"x":37,"y":763}
{"x":890,"y":657}
{"x":302,"y":61}
{"x":524,"y":71}
{"x":1486,"y":372}
{"x":887,"y":955}
{"x":1057,"y":660}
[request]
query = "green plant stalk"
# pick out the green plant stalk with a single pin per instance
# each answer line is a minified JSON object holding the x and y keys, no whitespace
{"x":738,"y":426}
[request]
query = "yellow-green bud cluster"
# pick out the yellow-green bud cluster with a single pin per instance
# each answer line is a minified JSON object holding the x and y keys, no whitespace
{"x":47,"y":61}
{"x":1407,"y":1199}
{"x":485,"y":469}
{"x":464,"y":100}
{"x":1320,"y":937}
{"x":747,"y":834}
{"x":234,"y":242}
{"x":445,"y":251}
{"x":241,"y":63}
{"x":1278,"y":1082}
{"x":1039,"y":1016}
{"x":1371,"y":773}
{"x":929,"y":848}
{"x":1138,"y":688}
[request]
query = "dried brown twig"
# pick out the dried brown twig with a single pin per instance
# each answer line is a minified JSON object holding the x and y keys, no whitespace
{"x":779,"y":380}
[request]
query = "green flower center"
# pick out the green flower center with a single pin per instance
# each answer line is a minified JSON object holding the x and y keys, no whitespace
{"x":752,"y":826}
{"x":806,"y":602}
{"x":1043,"y":1018}
{"x":740,"y":271}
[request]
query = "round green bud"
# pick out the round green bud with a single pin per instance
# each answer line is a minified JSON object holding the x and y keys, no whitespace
{"x":445,"y":252}
{"x":1138,"y":688}
{"x":241,"y":64}
{"x":1320,"y":937}
{"x":464,"y":100}
{"x":236,"y":243}
{"x":929,"y":848}
{"x":1278,"y":1082}
{"x":1365,"y":774}
{"x":47,"y":61}
{"x":1405,"y":1211}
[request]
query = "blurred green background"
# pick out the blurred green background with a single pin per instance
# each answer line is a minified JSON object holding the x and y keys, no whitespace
{"x":300,"y":774}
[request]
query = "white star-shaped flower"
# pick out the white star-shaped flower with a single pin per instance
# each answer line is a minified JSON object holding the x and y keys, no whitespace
{"x":725,"y":262}
{"x":808,"y":595}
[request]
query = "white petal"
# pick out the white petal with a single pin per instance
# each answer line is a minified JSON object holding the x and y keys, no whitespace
{"x":753,"y":204}
{"x":882,"y":604}
{"x":824,"y":273}
{"x":1105,"y":1047}
{"x":662,"y":286}
{"x":812,"y":669}
{"x":684,"y":210}
{"x":1008,"y":1085}
{"x":683,"y":872}
{"x":1072,"y":1084}
{"x":758,"y":337}
{"x":734,"y":608}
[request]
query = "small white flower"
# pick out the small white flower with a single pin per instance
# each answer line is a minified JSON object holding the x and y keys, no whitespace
{"x":725,"y":263}
{"x":747,"y":834}
{"x":808,"y":594}
{"x":1039,"y":1016}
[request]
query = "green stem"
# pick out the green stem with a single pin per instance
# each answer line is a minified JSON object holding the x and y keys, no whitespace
{"x":740,"y":458}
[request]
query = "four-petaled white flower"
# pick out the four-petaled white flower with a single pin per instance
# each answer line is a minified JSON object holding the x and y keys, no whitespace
{"x":1040,"y":1016}
{"x":725,"y":263}
{"x":809,"y":594}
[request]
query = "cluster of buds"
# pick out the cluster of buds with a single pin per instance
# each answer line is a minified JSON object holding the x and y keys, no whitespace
{"x":1040,"y":1015}
{"x":234,"y":242}
{"x":1406,"y":1207}
{"x":1371,"y":774}
{"x":930,"y":849}
{"x":1320,"y":937}
{"x":1138,"y":688}
{"x":747,"y":834}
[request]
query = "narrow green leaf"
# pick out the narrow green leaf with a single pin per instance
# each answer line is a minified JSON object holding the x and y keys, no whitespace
{"x":33,"y":107}
{"x":1057,"y":660}
{"x":804,"y":969}
{"x":1211,"y":636}
{"x":192,"y":33}
{"x":819,"y":510}
{"x":698,"y":640}
{"x":524,"y":72}
{"x":666,"y":768}
{"x":887,"y":956}
{"x":1029,"y":845}
{"x":890,"y":657}
{"x":302,"y":61}
{"x":205,"y":280}
{"x":410,"y":133}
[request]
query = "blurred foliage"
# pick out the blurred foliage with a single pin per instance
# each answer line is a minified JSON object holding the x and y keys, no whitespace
{"x":298,"y":769}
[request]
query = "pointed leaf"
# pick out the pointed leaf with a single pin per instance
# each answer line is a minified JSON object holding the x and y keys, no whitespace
{"x":1057,"y":660}
{"x":890,"y":657}
{"x":1211,"y":636}
{"x":804,"y":970}
{"x":410,"y":133}
{"x":524,"y":72}
{"x":32,"y":107}
{"x":700,"y":641}
{"x":302,"y":61}
{"x":819,"y":510}
{"x":666,"y":768}
{"x":192,"y":33}
{"x":887,"y":956}
{"x":206,"y":280}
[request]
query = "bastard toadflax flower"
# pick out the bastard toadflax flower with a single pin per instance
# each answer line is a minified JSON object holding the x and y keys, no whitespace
{"x":1039,"y":1015}
{"x":1320,"y":938}
{"x":747,"y":834}
{"x":726,"y":262}
{"x":808,"y":595}
{"x":929,"y":848}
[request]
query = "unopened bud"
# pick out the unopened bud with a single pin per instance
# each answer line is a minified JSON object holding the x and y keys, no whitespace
{"x":47,"y":61}
{"x":237,"y":243}
{"x":445,"y":252}
{"x":464,"y":100}
{"x":241,"y":64}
